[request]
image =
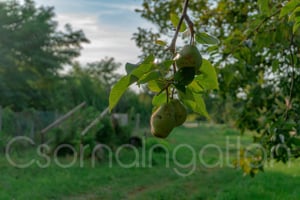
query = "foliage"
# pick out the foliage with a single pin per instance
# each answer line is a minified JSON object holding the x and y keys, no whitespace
{"x":164,"y":76}
{"x":113,"y":134}
{"x":157,"y":145}
{"x":104,"y":132}
{"x":104,"y":70}
{"x":80,"y":85}
{"x":33,"y":52}
{"x":257,"y":62}
{"x":25,"y":123}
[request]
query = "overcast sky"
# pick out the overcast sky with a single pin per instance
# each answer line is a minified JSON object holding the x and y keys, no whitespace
{"x":108,"y":24}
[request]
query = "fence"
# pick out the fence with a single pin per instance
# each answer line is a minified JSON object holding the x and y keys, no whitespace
{"x":25,"y":123}
{"x":35,"y":124}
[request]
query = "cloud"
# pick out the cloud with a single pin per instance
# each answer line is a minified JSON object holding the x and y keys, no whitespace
{"x":91,"y":5}
{"x":116,"y":5}
{"x":106,"y":40}
{"x":109,"y":26}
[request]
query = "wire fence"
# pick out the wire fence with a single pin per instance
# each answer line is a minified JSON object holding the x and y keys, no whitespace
{"x":26,"y":123}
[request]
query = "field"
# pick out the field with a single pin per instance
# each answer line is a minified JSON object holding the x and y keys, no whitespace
{"x":193,"y":163}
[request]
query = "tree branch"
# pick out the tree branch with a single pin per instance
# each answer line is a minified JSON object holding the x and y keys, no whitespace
{"x":266,"y":19}
{"x":251,"y":33}
{"x":172,"y":47}
{"x":289,"y":103}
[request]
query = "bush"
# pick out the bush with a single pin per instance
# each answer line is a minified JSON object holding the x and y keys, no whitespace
{"x":105,"y":133}
{"x":113,"y":134}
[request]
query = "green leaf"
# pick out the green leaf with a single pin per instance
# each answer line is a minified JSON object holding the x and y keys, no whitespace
{"x":296,"y":27}
{"x":295,"y":16}
{"x":142,"y":69}
{"x":204,"y":38}
{"x":295,"y":141}
{"x":194,"y":101}
{"x":228,"y":75}
{"x":119,"y":88}
{"x":175,"y":20}
{"x":165,"y":65}
{"x":200,"y":106}
{"x":153,"y":75}
{"x":195,"y":87}
{"x":184,"y":76}
{"x":159,"y":99}
{"x":264,"y":7}
{"x":187,"y":98}
{"x":149,"y":60}
{"x":129,"y":67}
{"x":161,"y":42}
{"x":155,"y":85}
{"x":135,"y":72}
{"x":288,"y":8}
{"x":245,"y":54}
{"x":180,"y":88}
{"x":208,"y":77}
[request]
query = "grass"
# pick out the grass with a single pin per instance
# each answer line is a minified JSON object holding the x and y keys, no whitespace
{"x":210,"y":177}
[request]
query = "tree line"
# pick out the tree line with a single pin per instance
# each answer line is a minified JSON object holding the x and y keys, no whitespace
{"x":34,"y":56}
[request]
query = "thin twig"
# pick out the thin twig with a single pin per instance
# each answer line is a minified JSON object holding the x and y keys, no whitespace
{"x":172,"y":47}
{"x":266,"y":19}
{"x":165,"y":87}
{"x":292,"y":77}
{"x":174,"y":68}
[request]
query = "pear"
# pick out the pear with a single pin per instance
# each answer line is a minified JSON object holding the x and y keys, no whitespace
{"x":163,"y":120}
{"x":184,"y":76}
{"x":180,"y":112}
{"x":189,"y":56}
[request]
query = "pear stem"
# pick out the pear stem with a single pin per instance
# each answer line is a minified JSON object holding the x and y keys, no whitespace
{"x":191,"y":27}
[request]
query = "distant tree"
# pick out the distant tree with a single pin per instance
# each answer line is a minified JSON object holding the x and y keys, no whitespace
{"x":133,"y":103}
{"x":81,"y":84}
{"x":89,"y":82}
{"x":104,"y":70}
{"x":33,"y":52}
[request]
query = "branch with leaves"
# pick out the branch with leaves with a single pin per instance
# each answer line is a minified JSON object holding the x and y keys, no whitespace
{"x":191,"y":76}
{"x":201,"y":79}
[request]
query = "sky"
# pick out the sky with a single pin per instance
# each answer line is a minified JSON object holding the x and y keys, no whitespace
{"x":108,"y":24}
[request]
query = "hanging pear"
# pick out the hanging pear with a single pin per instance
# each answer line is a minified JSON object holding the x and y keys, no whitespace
{"x":180,"y":112}
{"x":184,"y":76}
{"x":189,"y":56}
{"x":163,"y":120}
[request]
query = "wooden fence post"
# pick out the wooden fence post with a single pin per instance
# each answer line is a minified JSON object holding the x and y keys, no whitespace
{"x":93,"y":123}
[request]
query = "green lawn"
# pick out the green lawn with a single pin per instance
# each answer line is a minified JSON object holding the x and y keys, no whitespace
{"x":130,"y":175}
